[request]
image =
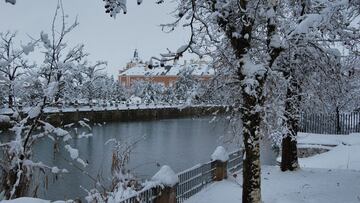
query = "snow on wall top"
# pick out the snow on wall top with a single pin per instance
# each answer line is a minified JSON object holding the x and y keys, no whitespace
{"x":165,"y":176}
{"x":141,"y":69}
{"x":220,"y":154}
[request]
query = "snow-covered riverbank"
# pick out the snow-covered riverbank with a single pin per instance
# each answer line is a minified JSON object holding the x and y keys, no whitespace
{"x":9,"y":111}
{"x":330,"y":177}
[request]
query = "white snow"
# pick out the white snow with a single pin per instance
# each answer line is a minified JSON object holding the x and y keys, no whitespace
{"x":275,"y":41}
{"x":198,"y":68}
{"x":310,"y":21}
{"x":250,"y":69}
{"x":121,"y":194}
{"x":220,"y":154}
{"x":302,"y":186}
{"x":340,"y":157}
{"x":60,"y":132}
{"x":345,"y":154}
{"x":134,"y":100}
{"x":85,"y":135}
{"x":27,"y":49}
{"x":182,"y":48}
{"x":51,"y":89}
{"x":330,"y":177}
{"x":314,"y":146}
{"x":45,"y":39}
{"x":8,"y":111}
{"x":74,"y":153}
{"x":55,"y":169}
{"x":4,"y":119}
{"x":26,"y":200}
{"x":165,"y":176}
{"x":34,"y":112}
{"x":84,"y":124}
{"x":31,"y":200}
{"x":311,"y":138}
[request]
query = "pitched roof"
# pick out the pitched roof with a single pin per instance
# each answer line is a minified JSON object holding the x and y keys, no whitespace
{"x":198,"y":69}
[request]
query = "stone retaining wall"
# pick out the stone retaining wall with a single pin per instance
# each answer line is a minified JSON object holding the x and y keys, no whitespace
{"x":124,"y":115}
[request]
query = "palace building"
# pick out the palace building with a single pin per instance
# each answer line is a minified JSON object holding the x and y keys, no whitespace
{"x":164,"y":74}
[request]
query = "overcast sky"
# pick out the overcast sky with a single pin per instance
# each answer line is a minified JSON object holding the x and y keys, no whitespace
{"x":105,"y":38}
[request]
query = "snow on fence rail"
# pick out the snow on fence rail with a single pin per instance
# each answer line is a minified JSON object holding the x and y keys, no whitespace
{"x":147,"y":196}
{"x":191,"y":181}
{"x":343,"y":123}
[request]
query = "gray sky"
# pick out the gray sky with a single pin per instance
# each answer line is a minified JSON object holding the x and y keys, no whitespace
{"x":105,"y":38}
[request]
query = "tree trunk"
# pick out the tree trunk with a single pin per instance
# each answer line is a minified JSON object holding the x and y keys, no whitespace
{"x":251,"y":164}
{"x":11,"y":101}
{"x":289,"y":158}
{"x":249,"y":108}
{"x":10,"y":97}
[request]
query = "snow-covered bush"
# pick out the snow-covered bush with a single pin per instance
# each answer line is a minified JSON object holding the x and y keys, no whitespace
{"x":124,"y":183}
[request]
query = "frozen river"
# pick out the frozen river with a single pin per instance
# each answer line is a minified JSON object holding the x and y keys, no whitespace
{"x":179,"y":143}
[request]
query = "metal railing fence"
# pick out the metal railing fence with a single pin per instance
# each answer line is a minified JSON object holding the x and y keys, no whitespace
{"x":343,"y":123}
{"x":191,"y":181}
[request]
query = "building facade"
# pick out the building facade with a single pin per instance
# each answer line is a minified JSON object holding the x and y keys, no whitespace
{"x":163,"y":74}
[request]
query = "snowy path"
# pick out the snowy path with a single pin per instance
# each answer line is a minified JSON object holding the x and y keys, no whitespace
{"x":330,"y":177}
{"x":305,"y":185}
{"x":345,"y":154}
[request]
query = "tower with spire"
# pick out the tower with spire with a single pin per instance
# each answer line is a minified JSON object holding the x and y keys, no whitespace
{"x":136,"y":56}
{"x":134,"y":61}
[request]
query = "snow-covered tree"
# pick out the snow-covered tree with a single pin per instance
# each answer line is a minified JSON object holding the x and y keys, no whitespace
{"x":80,"y":81}
{"x":312,"y":29}
{"x":186,"y":86}
{"x":13,"y":63}
{"x":149,"y":92}
{"x":233,"y":27}
{"x":31,"y":92}
{"x":91,"y":73}
{"x":249,"y":38}
{"x":119,"y":92}
{"x":60,"y":60}
{"x":18,"y":166}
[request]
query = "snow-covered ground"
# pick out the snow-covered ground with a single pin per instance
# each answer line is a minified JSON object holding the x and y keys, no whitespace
{"x":345,"y":153}
{"x":321,"y":139}
{"x":340,"y":157}
{"x":31,"y":200}
{"x":330,"y":177}
{"x":305,"y":185}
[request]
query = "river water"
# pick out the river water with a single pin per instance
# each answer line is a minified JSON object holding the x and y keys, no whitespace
{"x":179,"y":143}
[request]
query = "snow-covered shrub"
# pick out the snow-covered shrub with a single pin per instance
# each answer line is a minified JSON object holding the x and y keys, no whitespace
{"x":124,"y":183}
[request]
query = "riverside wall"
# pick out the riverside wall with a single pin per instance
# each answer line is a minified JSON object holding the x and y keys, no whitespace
{"x":124,"y":115}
